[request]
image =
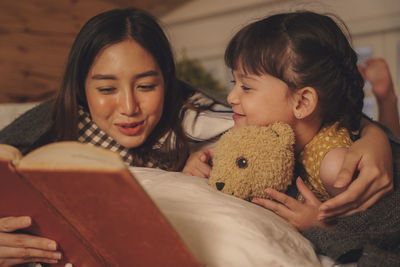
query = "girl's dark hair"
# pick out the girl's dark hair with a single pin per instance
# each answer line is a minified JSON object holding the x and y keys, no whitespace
{"x":304,"y":49}
{"x":103,"y":30}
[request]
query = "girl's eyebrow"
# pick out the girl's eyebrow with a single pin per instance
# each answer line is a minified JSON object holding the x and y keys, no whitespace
{"x":112,"y":77}
{"x":245,"y":76}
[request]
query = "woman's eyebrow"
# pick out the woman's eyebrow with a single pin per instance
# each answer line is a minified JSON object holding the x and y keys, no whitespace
{"x":103,"y":77}
{"x":112,"y":77}
{"x":147,"y":73}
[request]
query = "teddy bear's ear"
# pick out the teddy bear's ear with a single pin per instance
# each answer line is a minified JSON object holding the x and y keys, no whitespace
{"x":284,"y":131}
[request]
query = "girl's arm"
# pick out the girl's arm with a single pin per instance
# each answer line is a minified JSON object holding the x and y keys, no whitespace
{"x":330,"y":167}
{"x":199,"y":163}
{"x":369,"y":161}
{"x":18,"y":248}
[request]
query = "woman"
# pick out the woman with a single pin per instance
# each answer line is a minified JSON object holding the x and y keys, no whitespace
{"x":119,"y":92}
{"x":119,"y":85}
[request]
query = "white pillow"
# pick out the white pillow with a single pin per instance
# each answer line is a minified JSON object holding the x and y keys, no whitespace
{"x":222,"y":230}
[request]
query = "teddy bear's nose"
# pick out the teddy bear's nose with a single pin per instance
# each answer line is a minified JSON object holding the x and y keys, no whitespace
{"x":220,"y":185}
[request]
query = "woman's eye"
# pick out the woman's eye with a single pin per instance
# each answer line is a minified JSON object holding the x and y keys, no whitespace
{"x":233,"y":82}
{"x":147,"y":87}
{"x":107,"y":90}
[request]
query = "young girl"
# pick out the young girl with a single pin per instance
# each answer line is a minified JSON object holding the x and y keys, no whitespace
{"x":266,"y":53}
{"x":299,"y":68}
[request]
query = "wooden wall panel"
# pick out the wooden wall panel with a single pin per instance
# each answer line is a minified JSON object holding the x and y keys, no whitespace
{"x":35,"y":38}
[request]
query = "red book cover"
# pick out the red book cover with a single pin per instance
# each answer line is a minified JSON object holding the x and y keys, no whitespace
{"x":85,"y":199}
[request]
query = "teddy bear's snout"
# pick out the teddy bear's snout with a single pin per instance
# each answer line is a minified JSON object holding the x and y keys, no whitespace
{"x":220,"y":185}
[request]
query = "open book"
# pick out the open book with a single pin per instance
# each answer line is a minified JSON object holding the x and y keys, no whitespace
{"x":86,"y":199}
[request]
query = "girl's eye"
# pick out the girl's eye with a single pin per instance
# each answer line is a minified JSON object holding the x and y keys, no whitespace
{"x":233,"y":82}
{"x":107,"y":90}
{"x":245,"y":88}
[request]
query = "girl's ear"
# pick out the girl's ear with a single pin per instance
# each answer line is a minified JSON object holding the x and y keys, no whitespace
{"x":305,"y":102}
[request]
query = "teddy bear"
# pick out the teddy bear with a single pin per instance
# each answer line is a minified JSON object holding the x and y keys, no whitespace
{"x":248,"y":160}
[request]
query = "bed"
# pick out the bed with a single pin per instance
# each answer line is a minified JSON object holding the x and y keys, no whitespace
{"x":220,"y":230}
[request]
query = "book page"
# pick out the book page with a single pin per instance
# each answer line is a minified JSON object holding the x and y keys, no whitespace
{"x":72,"y":156}
{"x":8,"y":153}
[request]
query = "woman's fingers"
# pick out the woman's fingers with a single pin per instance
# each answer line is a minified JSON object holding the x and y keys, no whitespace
{"x":26,"y":241}
{"x":13,"y":262}
{"x":354,"y":204}
{"x":349,"y":167}
{"x":362,"y":193}
{"x":28,"y":253}
{"x":22,"y":248}
{"x":11,"y":224}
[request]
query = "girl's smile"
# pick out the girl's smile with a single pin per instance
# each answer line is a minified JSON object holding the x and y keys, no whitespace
{"x":237,"y":116}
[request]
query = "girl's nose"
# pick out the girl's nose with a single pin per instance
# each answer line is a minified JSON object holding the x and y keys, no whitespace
{"x":232,"y":98}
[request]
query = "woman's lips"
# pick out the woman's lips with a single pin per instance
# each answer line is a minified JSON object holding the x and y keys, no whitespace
{"x":236,"y":116}
{"x":130,"y":128}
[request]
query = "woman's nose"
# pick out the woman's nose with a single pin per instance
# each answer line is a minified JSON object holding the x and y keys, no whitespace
{"x":128,"y":103}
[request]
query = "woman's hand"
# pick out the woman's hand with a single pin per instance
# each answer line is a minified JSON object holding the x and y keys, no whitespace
{"x":22,"y":248}
{"x":301,"y":215}
{"x":369,"y":160}
{"x":199,"y":163}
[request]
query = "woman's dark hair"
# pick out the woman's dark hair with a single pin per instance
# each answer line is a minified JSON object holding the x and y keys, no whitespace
{"x":103,"y":30}
{"x":304,"y":49}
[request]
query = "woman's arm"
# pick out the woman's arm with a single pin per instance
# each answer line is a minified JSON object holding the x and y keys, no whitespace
{"x":369,"y":161}
{"x":22,"y":248}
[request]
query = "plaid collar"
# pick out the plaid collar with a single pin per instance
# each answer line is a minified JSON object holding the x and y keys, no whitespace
{"x":90,"y":133}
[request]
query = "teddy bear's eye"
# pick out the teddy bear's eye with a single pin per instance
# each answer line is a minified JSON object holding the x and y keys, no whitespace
{"x":241,"y":162}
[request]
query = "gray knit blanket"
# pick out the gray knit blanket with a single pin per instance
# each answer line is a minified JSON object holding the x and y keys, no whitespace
{"x":370,"y":238}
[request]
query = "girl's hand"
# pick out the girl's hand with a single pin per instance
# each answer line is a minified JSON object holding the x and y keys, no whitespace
{"x":199,"y":163}
{"x":22,"y":248}
{"x":302,"y":216}
{"x":376,"y":71}
{"x":370,"y":159}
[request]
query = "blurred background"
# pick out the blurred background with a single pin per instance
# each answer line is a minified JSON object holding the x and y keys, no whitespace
{"x":35,"y":37}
